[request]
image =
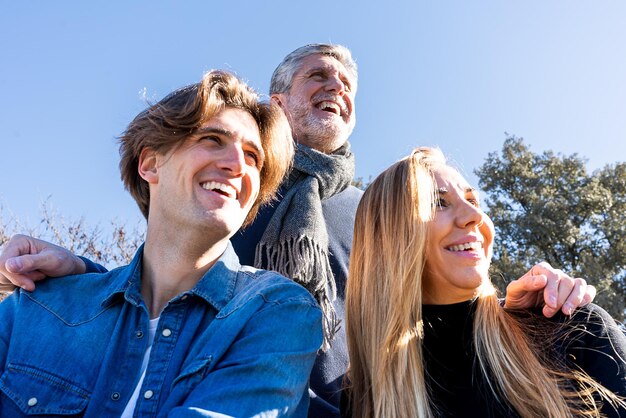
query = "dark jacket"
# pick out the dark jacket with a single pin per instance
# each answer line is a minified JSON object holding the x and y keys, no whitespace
{"x":329,"y":368}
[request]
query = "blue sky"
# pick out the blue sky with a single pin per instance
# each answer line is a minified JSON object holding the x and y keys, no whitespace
{"x":455,"y":74}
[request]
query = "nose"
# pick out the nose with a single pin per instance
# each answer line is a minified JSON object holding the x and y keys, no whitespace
{"x":469,"y":216}
{"x":233,"y":160}
{"x":335,"y":84}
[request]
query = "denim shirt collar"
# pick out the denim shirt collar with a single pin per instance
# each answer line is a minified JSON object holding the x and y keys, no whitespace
{"x":216,"y":287}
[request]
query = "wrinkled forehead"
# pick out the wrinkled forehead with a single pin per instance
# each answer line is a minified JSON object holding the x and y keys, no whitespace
{"x":327,"y":63}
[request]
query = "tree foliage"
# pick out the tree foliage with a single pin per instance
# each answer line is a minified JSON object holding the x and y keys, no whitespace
{"x":548,"y":207}
{"x":360,"y":183}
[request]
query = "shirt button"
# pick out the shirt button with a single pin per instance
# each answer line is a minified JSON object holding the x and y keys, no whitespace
{"x":32,"y":402}
{"x":148,"y":394}
{"x":139,"y":334}
{"x":166,"y":332}
{"x":184,"y":297}
{"x":115,"y":396}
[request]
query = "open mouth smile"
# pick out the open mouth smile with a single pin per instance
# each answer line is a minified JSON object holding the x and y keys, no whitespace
{"x":329,"y":106}
{"x":221,"y":188}
{"x":468,"y":246}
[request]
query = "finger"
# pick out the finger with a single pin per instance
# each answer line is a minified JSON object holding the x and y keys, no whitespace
{"x":590,"y":295}
{"x":527,"y":283}
{"x":576,"y":297}
{"x":18,"y":280}
{"x":25,"y":283}
{"x":559,"y":287}
{"x":28,"y":263}
{"x":18,"y":244}
{"x":550,"y":294}
{"x":542,"y":268}
{"x":549,"y":311}
{"x":551,"y":291}
{"x":524,"y":292}
{"x":566,"y":286}
{"x":535,"y":282}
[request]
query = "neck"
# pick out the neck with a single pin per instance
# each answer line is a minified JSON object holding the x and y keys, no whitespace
{"x":447,"y":297}
{"x":320,"y":144}
{"x":173,"y":263}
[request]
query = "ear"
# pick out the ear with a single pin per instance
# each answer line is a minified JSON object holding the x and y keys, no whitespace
{"x":280,"y":99}
{"x":277,"y":98}
{"x":148,"y":165}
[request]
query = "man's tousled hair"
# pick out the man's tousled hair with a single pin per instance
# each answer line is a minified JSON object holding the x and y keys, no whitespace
{"x":170,"y":122}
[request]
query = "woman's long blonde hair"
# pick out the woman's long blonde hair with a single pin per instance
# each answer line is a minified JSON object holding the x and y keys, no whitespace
{"x":384,"y":313}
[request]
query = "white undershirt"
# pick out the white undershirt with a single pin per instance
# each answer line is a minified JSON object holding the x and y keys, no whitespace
{"x":130,"y":406}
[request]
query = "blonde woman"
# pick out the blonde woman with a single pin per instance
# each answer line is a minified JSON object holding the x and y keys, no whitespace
{"x":427,"y":336}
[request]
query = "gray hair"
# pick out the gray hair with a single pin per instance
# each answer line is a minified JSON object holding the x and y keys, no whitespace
{"x":282,"y":77}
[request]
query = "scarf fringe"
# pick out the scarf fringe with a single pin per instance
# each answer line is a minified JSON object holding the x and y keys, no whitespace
{"x":306,"y":264}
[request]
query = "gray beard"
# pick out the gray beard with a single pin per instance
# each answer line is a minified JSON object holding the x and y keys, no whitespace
{"x":321,"y":134}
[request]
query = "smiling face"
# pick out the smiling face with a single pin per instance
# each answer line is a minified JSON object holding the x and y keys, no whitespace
{"x":211,"y":181}
{"x":320,"y":103}
{"x":460,"y":241}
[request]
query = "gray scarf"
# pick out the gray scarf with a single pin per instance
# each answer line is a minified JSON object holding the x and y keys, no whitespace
{"x":295,"y":242}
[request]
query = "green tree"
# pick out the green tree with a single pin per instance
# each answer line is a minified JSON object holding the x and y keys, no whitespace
{"x":548,"y":207}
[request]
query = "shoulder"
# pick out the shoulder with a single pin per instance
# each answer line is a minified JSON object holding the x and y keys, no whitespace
{"x":273,"y":286}
{"x":590,"y":332}
{"x":588,"y":326}
{"x":353,"y":192}
{"x":74,"y":298}
{"x":341,"y":208}
{"x":349,"y":196}
{"x":595,"y":343}
{"x":590,"y":316}
{"x":263,"y":288}
{"x":265,"y":302}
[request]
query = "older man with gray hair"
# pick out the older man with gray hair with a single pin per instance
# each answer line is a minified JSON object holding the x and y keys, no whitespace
{"x":307,"y":235}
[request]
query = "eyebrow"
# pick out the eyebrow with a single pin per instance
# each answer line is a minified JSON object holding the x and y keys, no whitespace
{"x":326,"y":69}
{"x":444,"y":190}
{"x":230,"y":134}
{"x":214,"y":130}
{"x":318,"y":69}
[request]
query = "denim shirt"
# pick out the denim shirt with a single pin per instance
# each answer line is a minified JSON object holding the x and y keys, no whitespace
{"x":240,"y":343}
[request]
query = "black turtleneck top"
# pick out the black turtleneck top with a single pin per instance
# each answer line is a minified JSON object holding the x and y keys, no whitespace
{"x":456,"y":386}
{"x":590,"y":340}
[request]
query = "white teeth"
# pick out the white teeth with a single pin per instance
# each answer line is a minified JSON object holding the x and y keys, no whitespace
{"x":224,"y":188}
{"x":467,"y":246}
{"x":330,"y":105}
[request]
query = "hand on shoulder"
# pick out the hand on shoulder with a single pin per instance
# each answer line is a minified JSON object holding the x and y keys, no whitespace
{"x":25,"y":260}
{"x":550,"y":288}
